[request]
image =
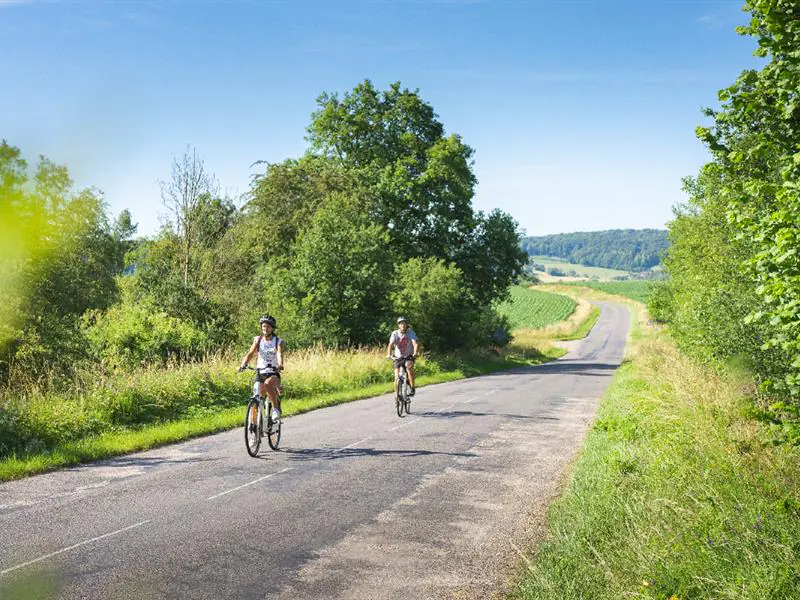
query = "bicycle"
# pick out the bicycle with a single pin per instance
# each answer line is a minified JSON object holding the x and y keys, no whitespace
{"x":402,"y":399}
{"x":254,"y":418}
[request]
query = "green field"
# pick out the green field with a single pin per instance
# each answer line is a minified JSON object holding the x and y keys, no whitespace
{"x":580,"y":270}
{"x":532,"y":309}
{"x":635,"y":290}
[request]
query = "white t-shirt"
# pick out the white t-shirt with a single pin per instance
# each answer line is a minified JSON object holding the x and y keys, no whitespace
{"x":267,"y":351}
{"x":403,"y":347}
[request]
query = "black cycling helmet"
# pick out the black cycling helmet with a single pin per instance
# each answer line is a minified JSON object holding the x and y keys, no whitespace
{"x":268,"y":319}
{"x":401,"y":320}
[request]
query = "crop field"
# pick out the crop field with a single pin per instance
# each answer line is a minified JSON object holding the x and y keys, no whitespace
{"x":635,"y":290}
{"x":580,"y":270}
{"x":531,"y":309}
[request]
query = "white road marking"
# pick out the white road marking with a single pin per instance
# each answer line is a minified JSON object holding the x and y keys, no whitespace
{"x":445,"y":408}
{"x":83,"y":543}
{"x":246,"y":484}
{"x":470,"y":400}
{"x":351,"y":445}
{"x":490,"y":392}
{"x":403,"y":425}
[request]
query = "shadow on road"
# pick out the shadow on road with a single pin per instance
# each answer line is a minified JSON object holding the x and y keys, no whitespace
{"x":303,"y":454}
{"x":449,"y":414}
{"x":572,"y":367}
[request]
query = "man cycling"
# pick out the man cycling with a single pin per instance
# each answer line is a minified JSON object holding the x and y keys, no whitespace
{"x":404,"y":342}
{"x":270,"y":362}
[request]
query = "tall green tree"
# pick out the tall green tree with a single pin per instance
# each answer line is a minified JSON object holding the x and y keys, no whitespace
{"x":755,"y":140}
{"x":421,"y":181}
{"x":336,"y":289}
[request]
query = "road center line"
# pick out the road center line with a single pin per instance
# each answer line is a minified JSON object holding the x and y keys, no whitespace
{"x":403,"y":425}
{"x":445,"y":408}
{"x":490,"y":392}
{"x":351,"y":445}
{"x":470,"y":400}
{"x":246,"y":484}
{"x":83,"y":543}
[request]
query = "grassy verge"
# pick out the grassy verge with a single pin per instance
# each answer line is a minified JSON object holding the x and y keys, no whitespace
{"x":677,"y":494}
{"x":122,"y":414}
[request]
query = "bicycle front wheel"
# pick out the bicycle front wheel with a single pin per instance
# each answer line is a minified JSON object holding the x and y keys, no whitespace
{"x":252,"y":427}
{"x":399,"y":400}
{"x":406,"y":399}
{"x":273,"y":430}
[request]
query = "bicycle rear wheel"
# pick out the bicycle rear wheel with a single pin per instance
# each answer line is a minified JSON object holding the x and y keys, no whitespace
{"x":253,"y":427}
{"x":273,"y":430}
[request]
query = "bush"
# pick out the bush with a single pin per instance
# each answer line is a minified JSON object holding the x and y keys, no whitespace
{"x":138,"y":334}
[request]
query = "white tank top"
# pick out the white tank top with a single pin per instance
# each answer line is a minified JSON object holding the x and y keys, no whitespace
{"x":267,"y":352}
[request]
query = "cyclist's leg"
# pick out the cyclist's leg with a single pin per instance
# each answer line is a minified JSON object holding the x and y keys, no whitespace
{"x":263,"y":385}
{"x":410,"y":369}
{"x":272,"y":391}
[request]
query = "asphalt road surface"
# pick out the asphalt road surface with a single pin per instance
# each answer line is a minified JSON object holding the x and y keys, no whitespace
{"x":358,"y":503}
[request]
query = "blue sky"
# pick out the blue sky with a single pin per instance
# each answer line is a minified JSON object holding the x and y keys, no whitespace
{"x":581,"y":113}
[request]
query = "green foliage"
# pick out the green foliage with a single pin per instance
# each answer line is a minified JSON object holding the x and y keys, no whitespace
{"x":533,"y":309}
{"x":661,"y":301}
{"x":429,"y":292}
{"x":60,"y":256}
{"x":736,"y":269}
{"x":336,"y":290}
{"x":130,"y":335}
{"x":624,"y":249}
{"x":420,"y":181}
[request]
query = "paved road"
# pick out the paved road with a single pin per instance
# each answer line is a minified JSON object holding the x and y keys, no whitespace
{"x":357,"y":504}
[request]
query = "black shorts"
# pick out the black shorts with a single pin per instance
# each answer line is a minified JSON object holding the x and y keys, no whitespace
{"x":400,"y":361}
{"x":264,"y":375}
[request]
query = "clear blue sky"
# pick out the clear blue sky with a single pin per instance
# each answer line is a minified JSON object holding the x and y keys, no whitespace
{"x":581,"y":113}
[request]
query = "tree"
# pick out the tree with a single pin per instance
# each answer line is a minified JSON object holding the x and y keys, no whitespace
{"x":492,"y":258}
{"x":420,"y":183}
{"x":182,"y":195}
{"x":336,"y":289}
{"x":755,"y":139}
{"x":60,"y":258}
{"x":429,"y":292}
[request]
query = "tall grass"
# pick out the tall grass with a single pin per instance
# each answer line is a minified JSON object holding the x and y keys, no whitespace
{"x":677,"y":494}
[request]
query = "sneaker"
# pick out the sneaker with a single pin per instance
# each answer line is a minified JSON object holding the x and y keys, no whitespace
{"x":410,"y":391}
{"x":276,"y":415}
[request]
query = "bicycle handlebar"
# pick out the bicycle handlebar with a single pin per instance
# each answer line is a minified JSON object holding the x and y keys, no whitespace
{"x":267,"y":368}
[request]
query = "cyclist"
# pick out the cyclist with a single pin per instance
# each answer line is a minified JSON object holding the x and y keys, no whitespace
{"x":404,"y":342}
{"x":270,"y":362}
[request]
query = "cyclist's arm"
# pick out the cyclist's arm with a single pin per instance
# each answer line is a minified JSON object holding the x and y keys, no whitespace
{"x":250,"y":353}
{"x":279,"y":355}
{"x":389,"y":348}
{"x":415,"y":347}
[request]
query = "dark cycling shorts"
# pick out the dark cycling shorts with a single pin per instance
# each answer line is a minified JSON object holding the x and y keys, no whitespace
{"x":264,"y":375}
{"x":400,"y":361}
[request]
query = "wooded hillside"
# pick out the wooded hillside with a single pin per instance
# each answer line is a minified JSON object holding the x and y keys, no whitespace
{"x":624,"y":249}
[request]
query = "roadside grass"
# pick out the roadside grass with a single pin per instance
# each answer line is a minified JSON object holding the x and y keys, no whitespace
{"x":123,"y":413}
{"x":677,"y":493}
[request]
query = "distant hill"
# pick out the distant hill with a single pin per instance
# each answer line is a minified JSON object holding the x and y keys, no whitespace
{"x":623,"y":249}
